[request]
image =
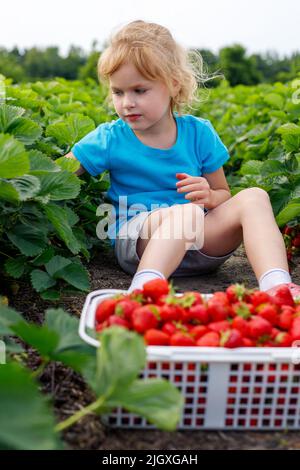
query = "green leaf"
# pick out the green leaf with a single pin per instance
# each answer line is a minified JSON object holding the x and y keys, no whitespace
{"x":56,"y":264}
{"x":8,"y":317}
{"x":71,"y":349}
{"x":68,"y":164}
{"x":59,"y":219}
{"x":8,"y":192}
{"x":44,"y":257}
{"x":41,"y":280}
{"x":279,"y":198}
{"x":272,"y":167}
{"x":15,"y":267}
{"x":8,"y":115}
{"x":76,"y":275}
{"x":274,"y":100}
{"x":29,"y":240}
{"x":25,"y":130}
{"x":27,"y":186}
{"x":13,"y":158}
{"x":26,"y":419}
{"x":50,"y":294}
{"x":41,"y":164}
{"x":71,"y":215}
{"x":39,"y":337}
{"x":59,"y":186}
{"x":71,"y":129}
{"x":291,"y":211}
{"x":157,"y":400}
{"x":289,"y":129}
{"x":251,"y":167}
{"x":113,"y":372}
{"x":291,"y":142}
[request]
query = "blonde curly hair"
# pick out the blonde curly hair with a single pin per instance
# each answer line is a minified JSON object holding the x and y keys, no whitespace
{"x":157,"y":56}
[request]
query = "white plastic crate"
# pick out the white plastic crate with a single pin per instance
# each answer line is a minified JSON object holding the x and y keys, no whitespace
{"x":242,"y":388}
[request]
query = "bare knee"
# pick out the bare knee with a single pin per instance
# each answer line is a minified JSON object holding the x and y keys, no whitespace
{"x":190,"y":211}
{"x":252,"y":197}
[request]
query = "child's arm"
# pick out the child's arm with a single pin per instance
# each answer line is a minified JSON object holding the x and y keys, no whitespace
{"x":80,"y":170}
{"x":211,"y":189}
{"x":220,"y":190}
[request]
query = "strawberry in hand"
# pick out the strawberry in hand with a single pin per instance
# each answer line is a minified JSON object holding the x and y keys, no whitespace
{"x":197,"y":189}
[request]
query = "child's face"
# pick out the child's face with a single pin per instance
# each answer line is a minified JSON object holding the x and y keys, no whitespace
{"x":148,"y":101}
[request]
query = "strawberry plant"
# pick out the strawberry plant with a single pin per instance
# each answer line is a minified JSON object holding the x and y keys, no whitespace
{"x":113,"y":381}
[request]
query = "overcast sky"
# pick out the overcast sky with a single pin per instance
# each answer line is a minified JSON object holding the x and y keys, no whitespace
{"x":259,"y":25}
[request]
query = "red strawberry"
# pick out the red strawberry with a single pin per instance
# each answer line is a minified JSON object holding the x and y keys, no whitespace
{"x":218,"y":311}
{"x":242,"y":309}
{"x":248,"y":343}
{"x":220,"y":297}
{"x":231,"y":339}
{"x":156,"y":337}
{"x":146,"y":317}
{"x":198,"y":331}
{"x":268,"y":312}
{"x":219,"y":326}
{"x":296,"y":241}
{"x":197,"y":314}
{"x":259,"y":297}
{"x":258,"y":327}
{"x":236,"y":293}
{"x":283,"y":296}
{"x":124,"y":308}
{"x":211,"y":339}
{"x":285,"y":318}
{"x":182,"y":339}
{"x":190,"y":298}
{"x":241,"y":324}
{"x":101,"y":326}
{"x":156,"y":288}
{"x":105,"y":309}
{"x":117,"y":320}
{"x":138,"y":296}
{"x":295,"y":329}
{"x":283,"y":339}
{"x":171,"y":312}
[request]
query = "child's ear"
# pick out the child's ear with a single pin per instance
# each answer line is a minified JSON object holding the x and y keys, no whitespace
{"x":176,"y":87}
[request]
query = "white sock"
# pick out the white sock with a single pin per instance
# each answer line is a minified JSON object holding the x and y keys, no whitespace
{"x":143,"y":276}
{"x":273,"y":278}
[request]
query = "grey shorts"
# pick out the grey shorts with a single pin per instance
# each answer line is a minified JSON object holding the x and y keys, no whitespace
{"x":193,"y":263}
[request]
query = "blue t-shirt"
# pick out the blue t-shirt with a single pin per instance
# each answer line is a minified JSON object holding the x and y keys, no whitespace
{"x":144,"y":178}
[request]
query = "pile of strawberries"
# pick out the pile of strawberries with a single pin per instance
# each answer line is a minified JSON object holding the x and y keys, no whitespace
{"x":238,"y":317}
{"x":291,"y":236}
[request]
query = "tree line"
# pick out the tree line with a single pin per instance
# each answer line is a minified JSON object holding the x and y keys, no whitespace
{"x":233,"y":62}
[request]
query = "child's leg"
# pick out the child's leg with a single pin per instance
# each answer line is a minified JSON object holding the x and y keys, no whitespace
{"x":164,"y":238}
{"x":167,"y":235}
{"x":246,"y":215}
{"x":249,"y":214}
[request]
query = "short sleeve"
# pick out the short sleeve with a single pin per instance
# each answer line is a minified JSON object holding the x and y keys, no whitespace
{"x":212,"y":150}
{"x":93,"y":150}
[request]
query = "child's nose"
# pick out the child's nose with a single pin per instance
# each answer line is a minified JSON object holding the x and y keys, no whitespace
{"x":128,"y":101}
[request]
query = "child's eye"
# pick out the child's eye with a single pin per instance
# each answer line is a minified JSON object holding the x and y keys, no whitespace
{"x":140,"y":90}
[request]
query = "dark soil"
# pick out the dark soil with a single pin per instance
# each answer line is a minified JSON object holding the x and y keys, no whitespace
{"x":70,"y":393}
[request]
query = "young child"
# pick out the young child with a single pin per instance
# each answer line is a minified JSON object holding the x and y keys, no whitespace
{"x":179,"y":218}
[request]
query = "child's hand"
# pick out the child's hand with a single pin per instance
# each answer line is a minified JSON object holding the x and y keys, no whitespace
{"x":197,"y":187}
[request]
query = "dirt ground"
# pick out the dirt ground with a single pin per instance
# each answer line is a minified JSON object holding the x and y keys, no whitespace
{"x":70,"y":392}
